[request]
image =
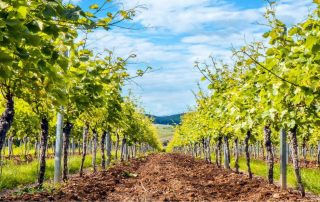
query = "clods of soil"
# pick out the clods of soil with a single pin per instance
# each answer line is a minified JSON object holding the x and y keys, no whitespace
{"x":164,"y":177}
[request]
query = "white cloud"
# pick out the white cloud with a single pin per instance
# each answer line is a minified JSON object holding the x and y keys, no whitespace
{"x":293,"y":11}
{"x":186,"y":30}
{"x":188,"y":15}
{"x":125,"y":45}
{"x":197,"y":39}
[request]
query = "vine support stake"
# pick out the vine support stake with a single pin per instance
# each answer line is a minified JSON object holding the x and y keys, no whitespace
{"x":283,"y":159}
{"x":226,"y":153}
{"x":58,"y":152}
{"x":108,"y":147}
{"x":288,"y":152}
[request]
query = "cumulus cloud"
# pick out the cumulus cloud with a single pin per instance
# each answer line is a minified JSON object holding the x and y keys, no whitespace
{"x":184,"y":31}
{"x":188,"y":15}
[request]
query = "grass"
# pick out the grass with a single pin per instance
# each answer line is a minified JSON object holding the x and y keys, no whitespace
{"x":310,"y":177}
{"x":165,"y":132}
{"x":19,"y":150}
{"x":20,"y":175}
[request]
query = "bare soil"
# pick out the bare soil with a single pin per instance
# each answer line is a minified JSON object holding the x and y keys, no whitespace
{"x":165,"y":177}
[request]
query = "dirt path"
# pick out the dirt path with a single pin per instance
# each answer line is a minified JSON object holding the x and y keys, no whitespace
{"x":164,"y":177}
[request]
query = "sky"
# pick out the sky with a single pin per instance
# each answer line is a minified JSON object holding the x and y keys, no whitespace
{"x":170,"y":35}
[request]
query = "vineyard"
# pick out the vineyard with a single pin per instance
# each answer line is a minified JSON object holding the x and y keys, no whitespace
{"x":270,"y":92}
{"x":68,"y":131}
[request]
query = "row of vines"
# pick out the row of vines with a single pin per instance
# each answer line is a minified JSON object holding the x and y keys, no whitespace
{"x":45,"y":69}
{"x":272,"y":86}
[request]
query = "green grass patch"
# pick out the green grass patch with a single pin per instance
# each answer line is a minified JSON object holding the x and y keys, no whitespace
{"x":165,"y":132}
{"x":17,"y":151}
{"x":310,"y":177}
{"x":20,"y":175}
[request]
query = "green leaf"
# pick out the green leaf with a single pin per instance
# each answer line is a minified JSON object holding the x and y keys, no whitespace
{"x":63,"y":63}
{"x":5,"y":55}
{"x":293,"y":31}
{"x":5,"y":74}
{"x":89,"y":14}
{"x":266,"y":35}
{"x":270,"y":52}
{"x":84,"y":58}
{"x":311,"y":41}
{"x":94,"y":6}
{"x":22,"y":12}
{"x":309,"y":99}
{"x":124,"y":14}
{"x":34,"y":40}
{"x":40,"y":24}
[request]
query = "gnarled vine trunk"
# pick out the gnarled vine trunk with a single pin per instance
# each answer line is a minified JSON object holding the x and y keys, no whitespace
{"x":6,"y":119}
{"x":94,"y":150}
{"x":216,"y":155}
{"x":319,"y":153}
{"x":262,"y":148}
{"x":219,"y":153}
{"x":270,"y":160}
{"x":123,"y":148}
{"x":108,"y":139}
{"x":127,"y":151}
{"x":103,"y":156}
{"x":295,"y":157}
{"x":79,"y":147}
{"x":43,"y":149}
{"x":66,"y":133}
{"x":84,"y":147}
{"x":209,"y":150}
{"x":246,"y":141}
{"x":204,"y":149}
{"x":226,"y":153}
{"x":236,"y":157}
{"x":117,"y":146}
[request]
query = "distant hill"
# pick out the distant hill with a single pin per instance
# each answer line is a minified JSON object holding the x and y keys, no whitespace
{"x":166,"y":120}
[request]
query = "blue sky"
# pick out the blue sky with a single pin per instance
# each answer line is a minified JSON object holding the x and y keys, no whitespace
{"x":179,"y":32}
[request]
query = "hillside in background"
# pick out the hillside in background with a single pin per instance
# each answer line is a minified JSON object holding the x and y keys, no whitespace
{"x":165,"y":133}
{"x":166,"y":120}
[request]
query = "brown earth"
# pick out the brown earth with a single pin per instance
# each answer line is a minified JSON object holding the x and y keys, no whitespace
{"x":164,"y":177}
